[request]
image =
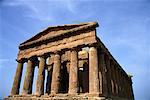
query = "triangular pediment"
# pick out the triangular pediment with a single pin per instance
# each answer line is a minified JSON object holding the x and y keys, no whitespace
{"x":55,"y":31}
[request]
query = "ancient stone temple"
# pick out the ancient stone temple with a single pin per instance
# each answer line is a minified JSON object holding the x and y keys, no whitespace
{"x":77,"y":63}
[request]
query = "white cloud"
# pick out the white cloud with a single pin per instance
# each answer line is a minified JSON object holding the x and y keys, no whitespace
{"x":4,"y":60}
{"x":47,"y":10}
{"x":71,"y":6}
{"x":11,"y":3}
{"x":34,"y":9}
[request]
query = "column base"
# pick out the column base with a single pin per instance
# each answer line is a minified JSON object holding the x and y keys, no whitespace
{"x":93,"y":94}
{"x":53,"y":93}
{"x":37,"y":94}
{"x":73,"y":94}
{"x":64,"y":97}
{"x":24,"y":93}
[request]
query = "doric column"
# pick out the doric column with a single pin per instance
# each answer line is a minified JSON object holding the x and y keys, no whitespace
{"x":103,"y":68}
{"x":117,"y":81}
{"x":121,"y":83}
{"x":108,"y":75}
{"x":93,"y":71}
{"x":73,"y":73}
{"x":27,"y":87}
{"x":131,"y":89}
{"x":56,"y":74}
{"x":123,"y":86}
{"x":41,"y":76}
{"x":112,"y":78}
{"x":17,"y":79}
{"x":128,"y":88}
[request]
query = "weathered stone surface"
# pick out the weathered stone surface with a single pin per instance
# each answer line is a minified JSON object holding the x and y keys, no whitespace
{"x":73,"y":74}
{"x":64,"y":97}
{"x":112,"y":79}
{"x":82,"y":62}
{"x":27,"y":87}
{"x":50,"y":60}
{"x":78,"y":66}
{"x":108,"y":74}
{"x":56,"y":31}
{"x":83,"y":54}
{"x":65,"y":57}
{"x":52,"y":47}
{"x":41,"y":77}
{"x":117,"y":81}
{"x":17,"y":79}
{"x":93,"y":71}
{"x":69,"y":42}
{"x":103,"y":69}
{"x":56,"y":75}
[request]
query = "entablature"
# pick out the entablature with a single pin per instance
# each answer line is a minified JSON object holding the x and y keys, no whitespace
{"x":75,"y":37}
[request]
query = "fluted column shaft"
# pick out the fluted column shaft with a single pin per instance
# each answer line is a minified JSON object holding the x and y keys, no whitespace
{"x":27,"y":87}
{"x":41,"y":77}
{"x":112,"y":78}
{"x":117,"y":81}
{"x":124,"y":86}
{"x":104,"y":70}
{"x":108,"y":75}
{"x":17,"y":79}
{"x":56,"y":75}
{"x":73,"y":73}
{"x":93,"y":71}
{"x":128,"y":88}
{"x":121,"y":83}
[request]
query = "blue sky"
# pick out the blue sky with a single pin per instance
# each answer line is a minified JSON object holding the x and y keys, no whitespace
{"x":124,"y":29}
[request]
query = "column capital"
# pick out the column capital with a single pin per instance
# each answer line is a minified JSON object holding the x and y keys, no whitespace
{"x":112,"y":62}
{"x":57,"y":56}
{"x":43,"y":56}
{"x":107,"y":57}
{"x":93,"y":45}
{"x":33,"y":58}
{"x":93,"y":50}
{"x":57,"y":53}
{"x":75,"y":49}
{"x":21,"y":60}
{"x":102,"y":52}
